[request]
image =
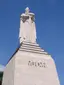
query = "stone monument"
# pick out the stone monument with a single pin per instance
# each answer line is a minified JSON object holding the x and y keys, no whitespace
{"x":30,"y":64}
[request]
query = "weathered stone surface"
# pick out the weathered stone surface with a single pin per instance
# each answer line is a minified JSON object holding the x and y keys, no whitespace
{"x":30,"y":68}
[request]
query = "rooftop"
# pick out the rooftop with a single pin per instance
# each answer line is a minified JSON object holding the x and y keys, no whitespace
{"x":1,"y":68}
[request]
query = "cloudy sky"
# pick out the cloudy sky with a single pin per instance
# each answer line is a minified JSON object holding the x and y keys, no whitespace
{"x":49,"y":18}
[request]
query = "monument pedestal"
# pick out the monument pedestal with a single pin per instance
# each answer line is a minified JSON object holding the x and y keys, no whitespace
{"x":30,"y":65}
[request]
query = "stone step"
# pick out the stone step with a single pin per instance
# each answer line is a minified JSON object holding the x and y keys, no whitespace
{"x":29,"y":48}
{"x":29,"y":43}
{"x":40,"y":52}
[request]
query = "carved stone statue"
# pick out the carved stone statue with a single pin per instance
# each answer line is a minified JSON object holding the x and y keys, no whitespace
{"x":27,"y":27}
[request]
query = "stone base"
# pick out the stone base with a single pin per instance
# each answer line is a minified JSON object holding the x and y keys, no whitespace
{"x":30,"y":65}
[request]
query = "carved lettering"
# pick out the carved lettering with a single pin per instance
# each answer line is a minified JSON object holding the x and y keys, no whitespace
{"x":37,"y":64}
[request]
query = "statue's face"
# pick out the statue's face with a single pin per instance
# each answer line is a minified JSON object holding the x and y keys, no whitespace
{"x":27,"y":10}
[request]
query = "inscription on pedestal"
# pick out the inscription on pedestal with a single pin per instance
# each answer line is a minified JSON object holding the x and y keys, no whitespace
{"x":37,"y":63}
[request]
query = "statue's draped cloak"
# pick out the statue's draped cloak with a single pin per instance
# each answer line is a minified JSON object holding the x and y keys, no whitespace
{"x":27,"y":29}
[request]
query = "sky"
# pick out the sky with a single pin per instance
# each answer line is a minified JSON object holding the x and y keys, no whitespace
{"x":49,"y":19}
